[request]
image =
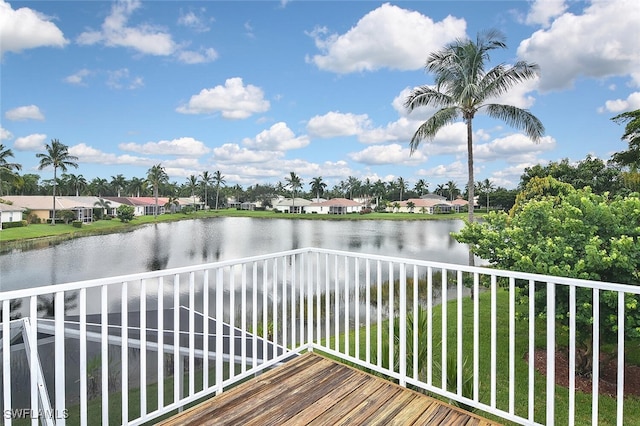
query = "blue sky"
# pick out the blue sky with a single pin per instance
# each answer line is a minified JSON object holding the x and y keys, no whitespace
{"x":259,"y":89}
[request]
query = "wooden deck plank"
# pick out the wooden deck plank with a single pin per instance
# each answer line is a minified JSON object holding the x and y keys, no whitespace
{"x":313,"y":390}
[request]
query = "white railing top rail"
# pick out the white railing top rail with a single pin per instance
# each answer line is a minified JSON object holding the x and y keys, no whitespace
{"x":48,"y":289}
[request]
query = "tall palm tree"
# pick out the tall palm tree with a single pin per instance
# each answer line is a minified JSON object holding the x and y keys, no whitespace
{"x":192,"y":184}
{"x":118,"y":182}
{"x":58,"y":156}
{"x":218,"y":180}
{"x":77,"y":183}
{"x":136,"y":186}
{"x":7,"y":168}
{"x":318,"y":186}
{"x":452,"y":189}
{"x":440,"y":189}
{"x":463,"y":87}
{"x":487,"y":187}
{"x":156,"y":176}
{"x":98,"y":186}
{"x":294,"y":182}
{"x":353,"y":184}
{"x":421,"y":186}
{"x":206,"y":179}
{"x":402,"y":186}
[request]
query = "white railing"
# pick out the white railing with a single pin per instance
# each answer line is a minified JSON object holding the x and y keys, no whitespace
{"x":152,"y":343}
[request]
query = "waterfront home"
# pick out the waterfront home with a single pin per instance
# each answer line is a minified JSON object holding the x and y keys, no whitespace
{"x":289,"y":205}
{"x":41,"y":206}
{"x":334,"y":206}
{"x":10,"y":213}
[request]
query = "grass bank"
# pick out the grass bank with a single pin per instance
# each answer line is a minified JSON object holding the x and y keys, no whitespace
{"x":43,"y":234}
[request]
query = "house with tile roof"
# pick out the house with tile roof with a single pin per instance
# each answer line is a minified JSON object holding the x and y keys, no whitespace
{"x":334,"y":206}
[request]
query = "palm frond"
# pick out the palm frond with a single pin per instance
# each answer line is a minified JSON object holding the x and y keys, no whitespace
{"x":427,"y":96}
{"x":518,"y":118}
{"x":427,"y":130}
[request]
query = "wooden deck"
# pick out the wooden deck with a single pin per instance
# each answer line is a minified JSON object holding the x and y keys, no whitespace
{"x":313,"y":390}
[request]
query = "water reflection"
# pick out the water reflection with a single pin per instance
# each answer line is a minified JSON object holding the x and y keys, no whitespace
{"x":175,"y":244}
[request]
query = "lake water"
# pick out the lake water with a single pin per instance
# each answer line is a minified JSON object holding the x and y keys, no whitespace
{"x":190,"y":242}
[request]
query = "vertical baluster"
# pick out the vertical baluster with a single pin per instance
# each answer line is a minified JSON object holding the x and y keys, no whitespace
{"x":160,"y":337}
{"x":572,"y":354}
{"x":205,"y":330}
{"x":532,"y":349}
{"x":494,"y":338}
{"x":429,"y":325}
{"x":512,"y":345}
{"x":177,"y":361}
{"x":595,"y":372}
{"x":551,"y":352}
{"x":192,"y":336}
{"x":219,"y":316}
{"x":459,"y":334}
{"x":443,"y":329}
{"x":6,"y":360}
{"x":476,"y":336}
{"x":124,"y":355}
{"x":620,"y":378}
{"x":416,"y":322}
{"x":402,"y":329}
{"x":347,"y":284}
{"x":104,"y":349}
{"x":391,"y":317}
{"x":143,"y":348}
{"x":367,"y":287}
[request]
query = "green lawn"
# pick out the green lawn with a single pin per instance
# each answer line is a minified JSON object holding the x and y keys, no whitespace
{"x":607,"y":405}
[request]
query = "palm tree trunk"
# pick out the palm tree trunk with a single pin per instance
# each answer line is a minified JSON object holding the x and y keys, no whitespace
{"x":53,"y":219}
{"x":155,"y":194}
{"x":471,"y":180}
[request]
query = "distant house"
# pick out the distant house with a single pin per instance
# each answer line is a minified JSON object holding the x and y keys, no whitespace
{"x":334,"y":206}
{"x":138,"y":207}
{"x":288,"y":205}
{"x":42,"y":205}
{"x":10,"y":213}
{"x":428,"y":205}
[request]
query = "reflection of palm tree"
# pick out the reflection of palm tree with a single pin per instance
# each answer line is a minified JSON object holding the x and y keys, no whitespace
{"x":462,"y":86}
{"x":58,"y":156}
{"x":47,"y":305}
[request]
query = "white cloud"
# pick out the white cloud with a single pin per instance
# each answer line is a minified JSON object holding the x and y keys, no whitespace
{"x":194,"y":20}
{"x":388,"y":36}
{"x":120,"y":79}
{"x":277,"y":138}
{"x":201,"y":56}
{"x":234,"y":100}
{"x":27,"y":112}
{"x":34,"y":142}
{"x":185,"y":146}
{"x":232,"y":153}
{"x":79,"y":77}
{"x":334,"y":124}
{"x":26,"y":28}
{"x":601,"y":42}
{"x":387,"y":154}
{"x":515,"y":148}
{"x":5,"y":134}
{"x":456,"y":171}
{"x":542,"y":12}
{"x":144,"y":38}
{"x":89,"y":154}
{"x":632,"y":103}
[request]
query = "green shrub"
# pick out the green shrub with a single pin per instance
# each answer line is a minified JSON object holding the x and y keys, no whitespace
{"x":76,"y":224}
{"x":17,"y":224}
{"x":125,"y":213}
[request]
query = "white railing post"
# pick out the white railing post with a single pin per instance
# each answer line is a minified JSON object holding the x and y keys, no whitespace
{"x":403,"y":325}
{"x":620,"y":375}
{"x":219,"y":316}
{"x":551,"y":352}
{"x":60,"y":359}
{"x":6,"y":359}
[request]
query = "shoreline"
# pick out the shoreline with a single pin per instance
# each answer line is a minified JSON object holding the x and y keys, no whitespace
{"x":43,"y":235}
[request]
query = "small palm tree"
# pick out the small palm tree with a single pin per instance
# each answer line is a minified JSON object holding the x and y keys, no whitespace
{"x":156,"y":176}
{"x":118,"y":183}
{"x":58,"y":156}
{"x":402,"y":186}
{"x":294,"y":182}
{"x":218,"y":180}
{"x":7,"y":168}
{"x":421,"y":186}
{"x":103,"y":204}
{"x":463,"y":87}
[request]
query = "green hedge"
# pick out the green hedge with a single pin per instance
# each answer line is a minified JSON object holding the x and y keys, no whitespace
{"x":18,"y":224}
{"x":76,"y":224}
